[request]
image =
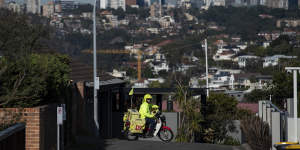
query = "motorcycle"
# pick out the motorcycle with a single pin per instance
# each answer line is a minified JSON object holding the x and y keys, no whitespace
{"x":135,"y":127}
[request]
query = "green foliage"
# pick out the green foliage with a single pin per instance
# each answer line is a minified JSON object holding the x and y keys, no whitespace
{"x":163,"y":74}
{"x":282,"y":88}
{"x":81,"y":8}
{"x":27,"y":78}
{"x":107,"y":39}
{"x":242,"y":114}
{"x":155,"y":84}
{"x":147,"y":72}
{"x":243,"y":21}
{"x":226,"y":64}
{"x":18,"y":36}
{"x":231,"y":141}
{"x":221,"y":110}
{"x":119,"y":12}
{"x":142,"y":12}
{"x":33,"y":80}
{"x":191,"y":116}
{"x":9,"y":119}
{"x":257,"y":133}
{"x":257,"y":95}
{"x":82,"y":41}
{"x":131,"y":72}
{"x":279,"y":46}
{"x":176,"y":50}
{"x":202,"y":82}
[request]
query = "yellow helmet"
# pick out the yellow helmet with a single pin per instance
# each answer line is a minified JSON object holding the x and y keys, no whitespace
{"x":147,"y":96}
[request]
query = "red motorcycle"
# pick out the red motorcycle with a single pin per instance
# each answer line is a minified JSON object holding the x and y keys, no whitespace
{"x":133,"y":131}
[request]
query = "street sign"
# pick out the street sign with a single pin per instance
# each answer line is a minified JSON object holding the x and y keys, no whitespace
{"x":64,"y":112}
{"x":59,"y":115}
{"x":97,"y":84}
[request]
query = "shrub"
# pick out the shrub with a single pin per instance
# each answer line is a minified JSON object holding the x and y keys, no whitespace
{"x":256,"y":133}
{"x":9,"y":119}
{"x":231,"y":141}
{"x":191,"y":116}
{"x":33,"y":80}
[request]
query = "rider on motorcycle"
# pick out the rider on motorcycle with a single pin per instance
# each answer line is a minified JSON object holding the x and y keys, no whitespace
{"x":146,"y":114}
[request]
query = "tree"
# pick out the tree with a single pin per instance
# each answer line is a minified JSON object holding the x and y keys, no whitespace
{"x":243,"y":21}
{"x":163,"y":73}
{"x":119,"y":12}
{"x":147,"y":72}
{"x":191,"y":116}
{"x":281,"y":88}
{"x":18,"y":36}
{"x":131,"y":73}
{"x":257,"y":95}
{"x":33,"y":80}
{"x":257,"y":133}
{"x":221,"y":110}
{"x":26,"y":77}
{"x":155,"y":84}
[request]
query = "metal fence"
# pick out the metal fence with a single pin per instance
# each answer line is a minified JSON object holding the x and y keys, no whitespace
{"x":13,"y":138}
{"x":277,"y":120}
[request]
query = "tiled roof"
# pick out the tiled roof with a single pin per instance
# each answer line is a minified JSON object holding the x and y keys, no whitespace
{"x":84,"y":72}
{"x":245,"y":75}
{"x":253,"y":107}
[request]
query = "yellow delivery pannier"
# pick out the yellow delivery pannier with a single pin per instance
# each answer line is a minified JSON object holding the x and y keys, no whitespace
{"x":137,"y":125}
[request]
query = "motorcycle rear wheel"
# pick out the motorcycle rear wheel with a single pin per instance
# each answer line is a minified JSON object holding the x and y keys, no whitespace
{"x":165,"y":135}
{"x":130,"y":136}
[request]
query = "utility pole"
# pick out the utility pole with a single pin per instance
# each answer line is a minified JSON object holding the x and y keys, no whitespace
{"x":207,"y":90}
{"x":295,"y":72}
{"x":95,"y":71}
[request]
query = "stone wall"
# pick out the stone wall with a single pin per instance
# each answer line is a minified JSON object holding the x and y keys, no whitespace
{"x":40,"y":125}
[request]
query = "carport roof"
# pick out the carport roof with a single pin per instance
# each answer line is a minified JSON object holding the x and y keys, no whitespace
{"x":195,"y":91}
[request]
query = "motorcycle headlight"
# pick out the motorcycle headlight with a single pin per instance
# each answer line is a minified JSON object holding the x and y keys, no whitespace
{"x":163,"y":118}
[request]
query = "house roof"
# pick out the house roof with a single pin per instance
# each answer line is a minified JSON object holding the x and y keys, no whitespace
{"x":83,"y":72}
{"x":253,"y":107}
{"x":195,"y":91}
{"x":245,"y":75}
{"x":264,"y":77}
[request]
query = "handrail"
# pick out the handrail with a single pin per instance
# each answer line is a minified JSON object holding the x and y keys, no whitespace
{"x":274,"y":106}
{"x":11,"y":130}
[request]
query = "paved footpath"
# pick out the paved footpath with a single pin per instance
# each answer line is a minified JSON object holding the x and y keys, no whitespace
{"x":117,"y":144}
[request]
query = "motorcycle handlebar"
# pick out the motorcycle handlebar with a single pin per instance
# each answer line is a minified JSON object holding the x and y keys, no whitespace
{"x":157,"y":114}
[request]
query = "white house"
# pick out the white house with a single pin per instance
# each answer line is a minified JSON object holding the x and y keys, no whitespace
{"x":266,"y":44}
{"x":242,"y":60}
{"x":183,"y":68}
{"x":224,"y":53}
{"x":160,"y":66}
{"x":160,"y":80}
{"x":118,"y":74}
{"x":220,"y":79}
{"x":166,"y":21}
{"x":242,"y":47}
{"x":159,"y":57}
{"x":273,"y":60}
{"x":153,"y":30}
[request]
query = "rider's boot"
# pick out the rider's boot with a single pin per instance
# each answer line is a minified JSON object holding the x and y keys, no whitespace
{"x":150,"y":133}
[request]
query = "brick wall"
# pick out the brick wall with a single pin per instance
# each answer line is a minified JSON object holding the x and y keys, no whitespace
{"x":40,"y":125}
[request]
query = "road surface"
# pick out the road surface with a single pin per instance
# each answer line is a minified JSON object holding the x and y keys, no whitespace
{"x":117,"y":144}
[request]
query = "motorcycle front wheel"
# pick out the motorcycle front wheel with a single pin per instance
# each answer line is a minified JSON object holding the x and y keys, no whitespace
{"x":130,"y":136}
{"x":165,"y":135}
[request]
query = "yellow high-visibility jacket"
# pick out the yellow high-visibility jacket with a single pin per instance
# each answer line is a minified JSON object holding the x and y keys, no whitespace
{"x":145,"y":110}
